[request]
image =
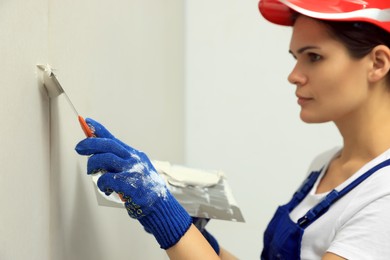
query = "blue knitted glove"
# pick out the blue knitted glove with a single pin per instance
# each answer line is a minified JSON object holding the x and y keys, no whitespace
{"x":130,"y":173}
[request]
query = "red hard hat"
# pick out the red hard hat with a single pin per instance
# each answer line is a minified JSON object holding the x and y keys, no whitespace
{"x":372,"y":11}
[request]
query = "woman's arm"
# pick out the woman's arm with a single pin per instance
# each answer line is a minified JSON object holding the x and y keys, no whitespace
{"x":225,"y":255}
{"x":331,"y":256}
{"x":131,"y":174}
{"x":192,"y":246}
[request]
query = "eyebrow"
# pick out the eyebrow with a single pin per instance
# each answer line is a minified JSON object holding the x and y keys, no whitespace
{"x":300,"y":50}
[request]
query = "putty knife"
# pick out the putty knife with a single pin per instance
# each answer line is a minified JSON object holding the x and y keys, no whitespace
{"x":55,"y":89}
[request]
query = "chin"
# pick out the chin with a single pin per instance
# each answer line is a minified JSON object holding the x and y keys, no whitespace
{"x":312,"y":119}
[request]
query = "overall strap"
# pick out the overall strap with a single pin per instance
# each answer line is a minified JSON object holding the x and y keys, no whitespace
{"x":335,"y":195}
{"x":303,"y":190}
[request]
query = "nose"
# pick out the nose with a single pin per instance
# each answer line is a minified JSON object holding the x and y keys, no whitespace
{"x":296,"y":76}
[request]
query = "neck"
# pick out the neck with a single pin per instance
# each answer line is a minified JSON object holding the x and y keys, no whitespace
{"x":365,"y":137}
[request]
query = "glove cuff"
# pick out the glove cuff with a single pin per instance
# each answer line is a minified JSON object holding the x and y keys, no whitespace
{"x":168,"y":221}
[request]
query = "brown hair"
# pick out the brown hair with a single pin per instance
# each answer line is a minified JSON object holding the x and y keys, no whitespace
{"x":360,"y":38}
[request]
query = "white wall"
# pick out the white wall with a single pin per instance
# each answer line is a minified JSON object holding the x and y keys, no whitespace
{"x":24,"y":131}
{"x":121,"y":63}
{"x":242,"y":115}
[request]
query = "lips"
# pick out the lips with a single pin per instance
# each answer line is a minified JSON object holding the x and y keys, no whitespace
{"x":303,"y":100}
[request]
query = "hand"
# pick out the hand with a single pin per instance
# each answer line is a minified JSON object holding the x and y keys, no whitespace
{"x":127,"y":171}
{"x":130,"y":173}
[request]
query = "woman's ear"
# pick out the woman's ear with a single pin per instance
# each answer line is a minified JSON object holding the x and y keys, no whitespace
{"x":380,"y":57}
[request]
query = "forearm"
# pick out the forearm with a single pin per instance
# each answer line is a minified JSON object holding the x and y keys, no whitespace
{"x":225,"y":255}
{"x":331,"y":256}
{"x":192,"y":246}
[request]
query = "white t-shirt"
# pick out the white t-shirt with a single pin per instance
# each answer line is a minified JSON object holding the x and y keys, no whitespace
{"x":355,"y":227}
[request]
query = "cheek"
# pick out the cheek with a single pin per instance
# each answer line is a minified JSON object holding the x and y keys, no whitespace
{"x":342,"y":80}
{"x":337,"y":91}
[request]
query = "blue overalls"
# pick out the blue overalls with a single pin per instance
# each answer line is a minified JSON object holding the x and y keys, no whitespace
{"x":283,"y":237}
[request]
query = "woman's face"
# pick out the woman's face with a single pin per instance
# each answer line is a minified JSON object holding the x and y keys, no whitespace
{"x":330,"y":85}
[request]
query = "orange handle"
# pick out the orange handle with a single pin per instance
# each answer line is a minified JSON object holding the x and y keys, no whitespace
{"x":87,"y":131}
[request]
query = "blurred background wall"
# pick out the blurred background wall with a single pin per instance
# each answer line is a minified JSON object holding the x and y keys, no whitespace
{"x":242,"y":116}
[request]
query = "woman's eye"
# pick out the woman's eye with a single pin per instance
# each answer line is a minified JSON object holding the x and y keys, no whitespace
{"x":314,"y":57}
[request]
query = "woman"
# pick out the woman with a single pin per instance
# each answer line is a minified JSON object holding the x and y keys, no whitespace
{"x":342,"y":211}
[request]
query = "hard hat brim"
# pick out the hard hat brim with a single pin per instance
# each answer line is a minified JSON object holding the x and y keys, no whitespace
{"x":281,"y":11}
